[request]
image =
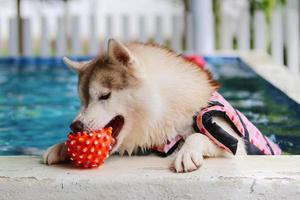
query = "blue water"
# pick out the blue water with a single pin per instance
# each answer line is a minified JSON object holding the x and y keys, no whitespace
{"x":38,"y":102}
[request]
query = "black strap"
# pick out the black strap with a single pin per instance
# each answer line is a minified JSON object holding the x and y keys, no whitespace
{"x":214,"y":103}
{"x":244,"y":126}
{"x":195,"y":126}
{"x":251,"y":148}
{"x":165,"y":154}
{"x":217,"y":132}
{"x":271,"y":150}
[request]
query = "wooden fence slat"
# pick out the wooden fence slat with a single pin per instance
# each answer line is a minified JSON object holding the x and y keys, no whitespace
{"x":45,"y":45}
{"x":243,"y":35}
{"x":176,"y":33}
{"x":61,"y":39}
{"x":292,"y":34}
{"x":93,"y":41}
{"x":108,"y":29}
{"x":125,"y":28}
{"x":226,"y":33}
{"x":76,"y":43}
{"x":2,"y":41}
{"x":1,"y":46}
{"x":259,"y":31}
{"x":189,"y":35}
{"x":27,"y":38}
{"x":159,"y":38}
{"x":203,"y":25}
{"x":142,"y":35}
{"x":13,"y":37}
{"x":277,"y":35}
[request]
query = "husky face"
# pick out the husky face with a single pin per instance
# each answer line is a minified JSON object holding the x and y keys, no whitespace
{"x":105,"y":89}
{"x":146,"y":93}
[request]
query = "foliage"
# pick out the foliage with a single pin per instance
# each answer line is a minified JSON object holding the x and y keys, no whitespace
{"x":266,"y":5}
{"x":217,"y":20}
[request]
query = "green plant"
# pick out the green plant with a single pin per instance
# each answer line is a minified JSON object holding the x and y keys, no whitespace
{"x":266,"y":5}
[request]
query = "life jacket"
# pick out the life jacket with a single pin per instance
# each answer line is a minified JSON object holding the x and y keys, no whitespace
{"x":256,"y":143}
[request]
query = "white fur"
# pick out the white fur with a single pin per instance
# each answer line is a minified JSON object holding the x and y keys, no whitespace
{"x":171,"y":91}
{"x":55,"y":154}
{"x":197,"y":146}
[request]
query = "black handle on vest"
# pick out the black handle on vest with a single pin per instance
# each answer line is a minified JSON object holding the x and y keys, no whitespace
{"x":217,"y":132}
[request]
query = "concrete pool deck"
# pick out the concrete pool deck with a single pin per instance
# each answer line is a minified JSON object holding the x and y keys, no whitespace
{"x":280,"y":76}
{"x":149,"y":177}
{"x":263,"y":64}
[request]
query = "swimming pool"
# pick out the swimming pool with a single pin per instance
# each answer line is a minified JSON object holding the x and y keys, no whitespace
{"x":39,"y":100}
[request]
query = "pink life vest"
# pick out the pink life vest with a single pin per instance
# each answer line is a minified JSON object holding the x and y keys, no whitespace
{"x":256,"y":142}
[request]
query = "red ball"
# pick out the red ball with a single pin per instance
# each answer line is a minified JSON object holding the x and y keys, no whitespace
{"x":198,"y":60}
{"x":89,"y":150}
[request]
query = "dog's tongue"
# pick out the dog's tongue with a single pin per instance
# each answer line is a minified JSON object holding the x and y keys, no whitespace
{"x":116,"y":124}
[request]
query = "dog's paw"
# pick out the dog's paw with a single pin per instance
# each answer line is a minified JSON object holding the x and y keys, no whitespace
{"x":55,"y":154}
{"x":188,"y":161}
{"x":190,"y":156}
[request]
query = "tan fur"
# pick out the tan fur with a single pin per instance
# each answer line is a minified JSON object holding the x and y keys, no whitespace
{"x":157,"y":91}
{"x":182,"y":86}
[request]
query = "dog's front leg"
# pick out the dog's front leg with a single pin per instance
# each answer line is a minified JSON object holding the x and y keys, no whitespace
{"x":190,"y":156}
{"x":55,"y":154}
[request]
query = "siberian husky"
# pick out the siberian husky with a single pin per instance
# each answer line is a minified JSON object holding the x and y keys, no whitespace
{"x":149,"y":95}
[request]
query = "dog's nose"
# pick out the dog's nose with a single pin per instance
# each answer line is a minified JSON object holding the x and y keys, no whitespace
{"x":76,"y":126}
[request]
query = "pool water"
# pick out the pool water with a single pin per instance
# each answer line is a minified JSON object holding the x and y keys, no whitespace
{"x":273,"y":112}
{"x":38,"y":102}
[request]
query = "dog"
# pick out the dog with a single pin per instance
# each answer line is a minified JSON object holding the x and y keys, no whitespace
{"x":149,"y":95}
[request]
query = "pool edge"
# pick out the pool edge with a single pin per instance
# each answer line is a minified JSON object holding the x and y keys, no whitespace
{"x":263,"y":64}
{"x":149,"y":177}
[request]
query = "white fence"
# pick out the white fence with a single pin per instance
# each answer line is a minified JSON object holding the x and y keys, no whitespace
{"x":280,"y":37}
{"x":72,"y":43}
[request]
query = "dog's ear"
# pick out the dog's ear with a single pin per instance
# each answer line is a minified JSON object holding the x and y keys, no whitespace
{"x":76,"y":66}
{"x":118,"y":53}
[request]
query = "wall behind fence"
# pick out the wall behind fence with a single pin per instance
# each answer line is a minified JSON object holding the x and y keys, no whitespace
{"x":279,"y":36}
{"x":85,"y":32}
{"x":68,"y":39}
{"x":238,"y":30}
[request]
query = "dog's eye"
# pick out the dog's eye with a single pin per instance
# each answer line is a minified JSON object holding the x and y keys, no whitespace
{"x":104,"y":96}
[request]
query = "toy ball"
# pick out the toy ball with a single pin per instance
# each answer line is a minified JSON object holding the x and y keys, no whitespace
{"x":89,"y":150}
{"x":197,"y":60}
